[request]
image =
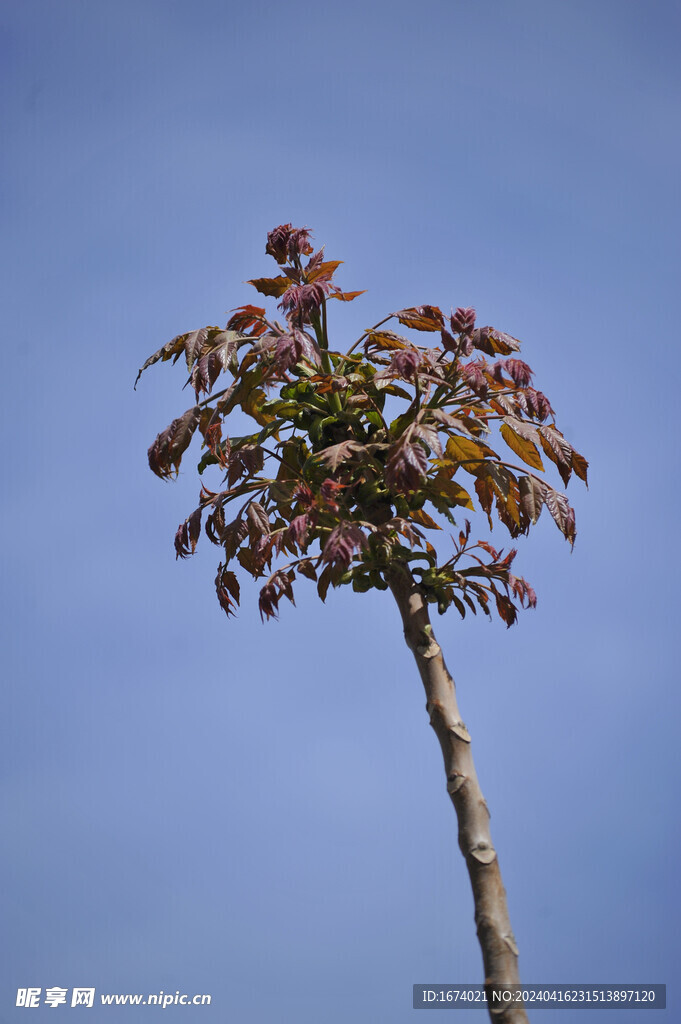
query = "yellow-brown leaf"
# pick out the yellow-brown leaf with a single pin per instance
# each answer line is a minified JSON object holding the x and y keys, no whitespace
{"x":423,"y":519}
{"x":324,"y":270}
{"x":467,"y":452}
{"x":527,"y":451}
{"x":274,"y":286}
{"x":386,"y":340}
{"x":454,"y":493}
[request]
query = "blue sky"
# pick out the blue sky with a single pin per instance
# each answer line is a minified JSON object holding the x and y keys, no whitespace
{"x":259,"y":812}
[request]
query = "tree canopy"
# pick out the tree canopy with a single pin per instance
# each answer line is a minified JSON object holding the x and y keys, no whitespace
{"x":360,"y":457}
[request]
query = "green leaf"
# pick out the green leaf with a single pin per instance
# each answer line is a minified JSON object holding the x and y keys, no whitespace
{"x":361,"y":583}
{"x":386,"y":386}
{"x":207,"y":459}
{"x":272,"y":428}
{"x":400,"y":424}
{"x":252,"y":404}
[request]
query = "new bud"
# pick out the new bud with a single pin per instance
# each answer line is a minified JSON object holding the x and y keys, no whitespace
{"x":299,"y":243}
{"x":301,"y":300}
{"x":406,"y":362}
{"x":278,"y":241}
{"x":463,"y":320}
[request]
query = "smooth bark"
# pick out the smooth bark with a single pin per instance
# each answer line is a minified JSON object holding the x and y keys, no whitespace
{"x":499,"y":950}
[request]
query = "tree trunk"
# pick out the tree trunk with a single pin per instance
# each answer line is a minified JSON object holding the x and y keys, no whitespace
{"x":499,"y":950}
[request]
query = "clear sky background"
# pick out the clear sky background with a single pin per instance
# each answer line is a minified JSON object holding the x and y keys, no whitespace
{"x":259,"y":812}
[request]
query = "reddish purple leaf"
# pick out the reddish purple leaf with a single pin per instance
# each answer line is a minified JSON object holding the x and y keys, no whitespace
{"x":298,"y":530}
{"x":421,"y":318}
{"x":277,"y":242}
{"x":258,"y":519}
{"x":562,"y":513}
{"x":336,"y":454}
{"x":248,"y":320}
{"x":532,"y":493}
{"x":406,"y":362}
{"x":520,"y":372}
{"x":491,"y":341}
{"x":165,"y":454}
{"x":277,"y":586}
{"x":558,"y":450}
{"x":489,"y":549}
{"x":306,"y":568}
{"x":474,"y":375}
{"x":293,"y":347}
{"x":303,"y":300}
{"x":329,"y":490}
{"x":407,"y":466}
{"x":342,"y":542}
{"x":506,"y":609}
{"x":227,"y":589}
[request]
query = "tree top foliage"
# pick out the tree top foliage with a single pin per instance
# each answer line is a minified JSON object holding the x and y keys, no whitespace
{"x":355,"y":452}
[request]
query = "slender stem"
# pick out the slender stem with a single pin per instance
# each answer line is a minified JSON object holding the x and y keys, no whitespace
{"x":282,"y":461}
{"x":376,"y":409}
{"x":334,"y":398}
{"x":319,"y":334}
{"x":363,"y":336}
{"x":325,"y":332}
{"x":499,"y":950}
{"x":211,"y":398}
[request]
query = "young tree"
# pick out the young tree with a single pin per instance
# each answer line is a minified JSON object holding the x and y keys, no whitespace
{"x":332,"y":487}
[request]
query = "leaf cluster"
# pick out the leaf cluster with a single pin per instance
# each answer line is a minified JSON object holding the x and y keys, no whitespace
{"x":354,"y":452}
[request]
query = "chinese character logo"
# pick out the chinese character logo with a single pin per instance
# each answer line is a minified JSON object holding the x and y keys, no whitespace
{"x":55,"y":996}
{"x":28,"y":997}
{"x":83,"y":997}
